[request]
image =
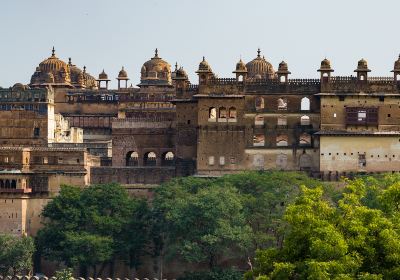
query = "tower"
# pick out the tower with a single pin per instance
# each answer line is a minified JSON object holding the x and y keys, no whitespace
{"x":122,"y":76}
{"x":283,"y":72}
{"x":325,"y":71}
{"x":205,"y":73}
{"x":103,"y":77}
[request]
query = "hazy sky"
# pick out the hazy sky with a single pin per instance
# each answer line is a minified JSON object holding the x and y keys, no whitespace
{"x":108,"y":34}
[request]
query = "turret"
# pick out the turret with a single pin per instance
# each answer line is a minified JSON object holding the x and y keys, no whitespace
{"x":325,"y":71}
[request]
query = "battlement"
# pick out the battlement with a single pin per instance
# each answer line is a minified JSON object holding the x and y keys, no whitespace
{"x":351,"y":84}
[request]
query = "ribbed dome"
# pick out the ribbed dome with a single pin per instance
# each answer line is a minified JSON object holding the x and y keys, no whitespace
{"x":325,"y":65}
{"x":204,"y":66}
{"x":156,"y":71}
{"x":240,"y":66}
{"x":122,"y":73}
{"x":283,"y":68}
{"x":181,"y":73}
{"x":103,"y":76}
{"x":362,"y":66}
{"x":80,"y":78}
{"x":58,"y":68}
{"x":52,"y":64}
{"x":259,"y":68}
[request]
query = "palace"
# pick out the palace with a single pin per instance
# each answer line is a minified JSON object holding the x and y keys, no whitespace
{"x":67,"y":127}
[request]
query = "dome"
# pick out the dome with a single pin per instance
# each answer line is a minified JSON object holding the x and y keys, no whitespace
{"x":240,"y":67}
{"x":325,"y":66}
{"x":55,"y":66}
{"x":122,"y":74}
{"x":259,"y":68}
{"x":181,"y":73}
{"x":80,"y":78}
{"x":19,"y":86}
{"x":396,"y":65}
{"x":204,"y":66}
{"x":89,"y":79}
{"x":59,"y":70}
{"x":103,"y":76}
{"x":156,"y":71}
{"x":283,"y":68}
{"x":362,"y":66}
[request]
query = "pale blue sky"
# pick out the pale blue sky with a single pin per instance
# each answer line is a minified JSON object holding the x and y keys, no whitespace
{"x":108,"y":34}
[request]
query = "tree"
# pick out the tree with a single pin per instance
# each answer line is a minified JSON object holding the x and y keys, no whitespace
{"x":260,"y":199}
{"x":357,"y":238}
{"x":93,"y":226}
{"x":201,"y":222}
{"x":16,"y":254}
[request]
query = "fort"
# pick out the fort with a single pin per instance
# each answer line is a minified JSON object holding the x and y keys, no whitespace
{"x":68,"y":127}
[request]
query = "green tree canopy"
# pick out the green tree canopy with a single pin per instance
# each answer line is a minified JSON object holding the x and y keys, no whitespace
{"x":87,"y":227}
{"x":356,"y":238}
{"x":16,"y":254}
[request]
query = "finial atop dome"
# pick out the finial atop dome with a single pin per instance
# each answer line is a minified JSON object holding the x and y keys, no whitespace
{"x":258,"y":52}
{"x":53,"y":52}
{"x":156,"y":53}
{"x":84,"y":69}
{"x":176,"y":66}
{"x":69,"y":61}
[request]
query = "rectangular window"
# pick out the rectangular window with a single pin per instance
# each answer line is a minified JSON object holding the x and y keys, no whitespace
{"x":362,"y":162}
{"x":211,"y":160}
{"x":45,"y":160}
{"x":361,"y":116}
{"x":36,"y":131}
{"x":222,"y":160}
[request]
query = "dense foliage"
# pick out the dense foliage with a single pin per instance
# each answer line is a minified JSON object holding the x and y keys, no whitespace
{"x":93,"y":226}
{"x":289,"y":225}
{"x":16,"y":254}
{"x":356,"y":238}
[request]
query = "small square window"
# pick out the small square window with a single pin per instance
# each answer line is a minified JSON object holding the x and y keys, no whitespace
{"x":211,"y":160}
{"x":222,"y":160}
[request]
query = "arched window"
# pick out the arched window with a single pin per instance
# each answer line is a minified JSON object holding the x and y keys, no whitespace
{"x":150,"y":159}
{"x":305,"y":120}
{"x":258,"y":140}
{"x":325,"y":75}
{"x":282,"y":104}
{"x":259,"y":120}
{"x":240,"y":78}
{"x":282,"y":140}
{"x":362,"y":78}
{"x":7,"y":185}
{"x":305,"y":104}
{"x":232,"y":113}
{"x":282,"y":79}
{"x":212,"y":114}
{"x":132,"y":158}
{"x":168,"y":159}
{"x":1,"y":184}
{"x":305,"y":139}
{"x":13,"y":184}
{"x":259,"y":102}
{"x":222,"y":113}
